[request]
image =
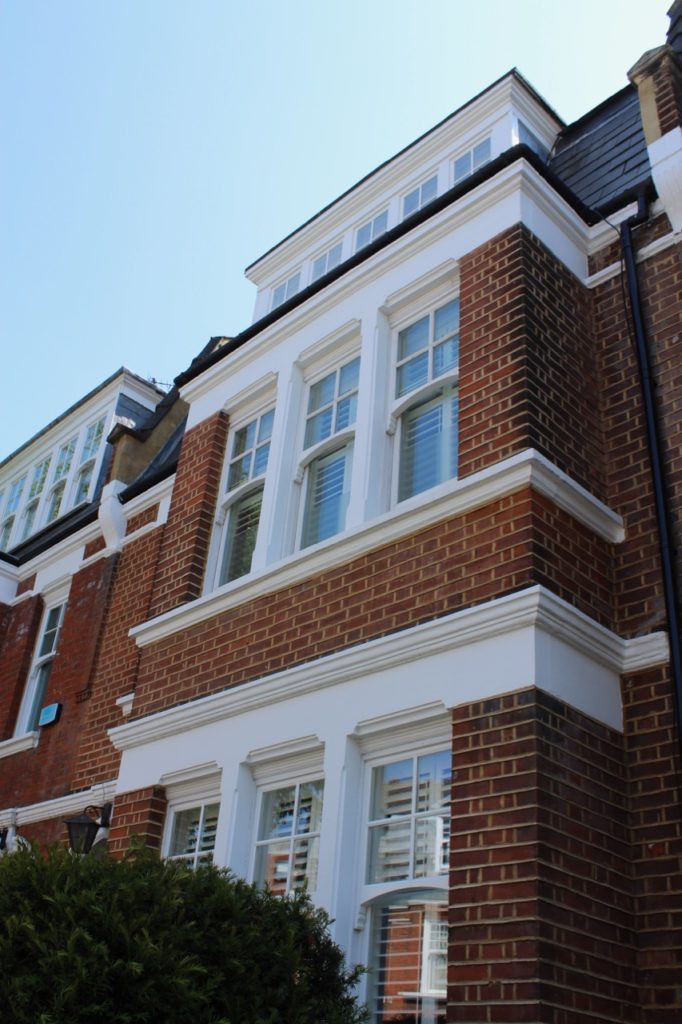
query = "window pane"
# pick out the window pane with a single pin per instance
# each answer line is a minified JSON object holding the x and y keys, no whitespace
{"x":39,"y":477}
{"x":319,"y":266}
{"x":346,"y":412}
{"x":363,"y":237}
{"x":29,"y":520}
{"x":244,"y":439}
{"x":426,"y":444}
{"x":389,"y":852}
{"x":431,"y":846}
{"x":292,"y":285}
{"x":309,"y":817}
{"x":392,"y":789}
{"x":482,"y":153}
{"x":239,"y":472}
{"x":42,"y":678}
{"x":412,"y":374}
{"x":305,"y":863}
{"x":433,"y":781}
{"x":408,"y":958}
{"x":318,"y":428}
{"x":265,"y":426}
{"x":429,"y":190}
{"x":380,"y":224}
{"x":50,"y":632}
{"x":260,"y":461}
{"x":6,"y":533}
{"x":55,"y":501}
{"x":64,"y":459}
{"x":349,"y":376}
{"x":326,"y":498}
{"x":272,"y":866}
{"x":446,"y":320}
{"x":93,"y":438}
{"x":241,"y":537}
{"x":278,"y":295}
{"x":84,"y":479}
{"x":334,"y":257}
{"x":463,"y":166}
{"x":322,"y":393}
{"x":413,"y":338}
{"x":277,"y":813}
{"x":411,"y":202}
{"x":185,"y":832}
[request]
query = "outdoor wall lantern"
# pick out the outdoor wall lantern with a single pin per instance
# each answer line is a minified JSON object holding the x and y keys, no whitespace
{"x":84,"y":828}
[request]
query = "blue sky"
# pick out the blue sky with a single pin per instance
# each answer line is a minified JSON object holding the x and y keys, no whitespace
{"x":152,"y":149}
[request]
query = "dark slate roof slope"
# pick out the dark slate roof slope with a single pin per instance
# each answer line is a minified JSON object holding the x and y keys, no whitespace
{"x":603,"y":156}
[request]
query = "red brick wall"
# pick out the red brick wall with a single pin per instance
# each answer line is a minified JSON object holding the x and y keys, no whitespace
{"x":190,"y":520}
{"x":45,"y":771}
{"x":668,"y":87}
{"x":136,"y":522}
{"x":119,"y":658}
{"x":506,"y":546}
{"x":16,"y":651}
{"x":527,"y":365}
{"x":139,"y":813}
{"x":542,"y":909}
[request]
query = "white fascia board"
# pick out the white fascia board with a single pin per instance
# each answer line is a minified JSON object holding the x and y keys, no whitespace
{"x":74,"y":803}
{"x":537,"y":611}
{"x":17,"y":744}
{"x":384,"y":182}
{"x":453,"y":498}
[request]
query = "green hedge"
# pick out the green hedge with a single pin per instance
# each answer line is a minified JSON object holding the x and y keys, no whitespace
{"x":97,"y":940}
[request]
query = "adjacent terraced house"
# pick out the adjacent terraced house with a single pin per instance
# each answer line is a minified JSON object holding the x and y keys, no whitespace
{"x":382,"y":598}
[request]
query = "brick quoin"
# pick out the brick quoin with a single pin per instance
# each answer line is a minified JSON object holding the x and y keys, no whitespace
{"x":140,"y":814}
{"x":527,"y":363}
{"x":506,"y":546}
{"x":542,"y":909}
{"x":183,"y":556}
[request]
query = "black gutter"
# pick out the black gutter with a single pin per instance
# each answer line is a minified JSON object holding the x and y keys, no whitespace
{"x":653,"y":431}
{"x":510,"y":156}
{"x":143,"y":483}
{"x":52,"y":534}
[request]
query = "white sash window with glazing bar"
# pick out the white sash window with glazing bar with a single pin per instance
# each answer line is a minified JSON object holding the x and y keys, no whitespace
{"x":36,"y":687}
{"x":239,"y":513}
{"x":287,"y":848}
{"x":193,"y":834}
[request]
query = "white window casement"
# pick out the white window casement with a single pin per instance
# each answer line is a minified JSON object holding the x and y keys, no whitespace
{"x":88,"y":459}
{"x":407,"y":863}
{"x":288,"y":843}
{"x":418,"y":197}
{"x":371,"y":230}
{"x":470,"y":160}
{"x":61,"y":473}
{"x":40,"y":472}
{"x":16,"y":491}
{"x":327,"y":452}
{"x":326,"y":261}
{"x":192,"y":834}
{"x":285,"y":289}
{"x":239,"y":510}
{"x":36,"y":687}
{"x":425,"y":401}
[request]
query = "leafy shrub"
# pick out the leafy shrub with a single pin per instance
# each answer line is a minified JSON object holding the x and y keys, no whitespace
{"x":135,"y":941}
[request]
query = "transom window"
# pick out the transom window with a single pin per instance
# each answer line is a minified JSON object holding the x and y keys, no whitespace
{"x":193,"y":835}
{"x":287,"y":848}
{"x":428,"y":348}
{"x":286,"y":289}
{"x":332,"y":403}
{"x":409,"y":822}
{"x":248,"y":462}
{"x":36,"y":687}
{"x":471,"y":160}
{"x":371,"y":230}
{"x":420,"y":196}
{"x":327,"y":261}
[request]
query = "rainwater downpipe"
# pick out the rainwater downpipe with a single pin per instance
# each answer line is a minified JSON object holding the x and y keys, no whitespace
{"x":656,"y":459}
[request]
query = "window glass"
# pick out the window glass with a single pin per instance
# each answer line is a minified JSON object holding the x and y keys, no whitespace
{"x":285,"y":290}
{"x":468,"y":162}
{"x":332,"y":403}
{"x":420,"y":196}
{"x":29,"y":519}
{"x":93,"y":439}
{"x":327,"y":496}
{"x":15,"y":492}
{"x":287,"y":848}
{"x":193,"y":835}
{"x":84,"y":480}
{"x":326,"y":262}
{"x":55,"y":504}
{"x":64,"y":459}
{"x":250,"y":450}
{"x":36,"y":687}
{"x":6,"y":533}
{"x":371,"y":230}
{"x":39,"y":477}
{"x":428,"y":444}
{"x":242,"y":532}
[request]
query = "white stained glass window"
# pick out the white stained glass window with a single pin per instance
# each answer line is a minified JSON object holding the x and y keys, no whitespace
{"x":193,"y":835}
{"x":408,"y":967}
{"x":409,"y":823}
{"x":471,"y":160}
{"x":326,"y":262}
{"x":420,"y":196}
{"x":285,"y":290}
{"x":332,"y":403}
{"x":36,"y":688}
{"x":371,"y":230}
{"x":287,"y":848}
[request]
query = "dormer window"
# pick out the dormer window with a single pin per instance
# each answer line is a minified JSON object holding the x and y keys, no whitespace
{"x":285,"y":290}
{"x":371,"y":230}
{"x":36,"y":489}
{"x":61,"y":471}
{"x":420,"y":196}
{"x":471,"y":160}
{"x":93,"y":440}
{"x":326,"y":262}
{"x":13,"y":501}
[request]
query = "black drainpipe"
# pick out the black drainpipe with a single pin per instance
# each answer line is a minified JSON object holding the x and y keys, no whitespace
{"x":656,"y":458}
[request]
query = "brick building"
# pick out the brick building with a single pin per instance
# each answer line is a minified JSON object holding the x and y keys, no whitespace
{"x":383,"y":597}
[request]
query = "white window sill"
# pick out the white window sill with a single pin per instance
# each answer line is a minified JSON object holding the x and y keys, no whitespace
{"x":17,"y":744}
{"x":452,"y":498}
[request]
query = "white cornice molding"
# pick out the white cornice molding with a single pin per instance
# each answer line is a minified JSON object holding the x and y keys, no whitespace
{"x":73,"y":803}
{"x":535,"y":607}
{"x":454,"y":498}
{"x":9,"y":581}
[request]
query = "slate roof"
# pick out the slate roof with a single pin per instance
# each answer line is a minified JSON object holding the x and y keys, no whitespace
{"x":603,"y":156}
